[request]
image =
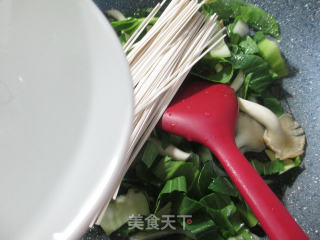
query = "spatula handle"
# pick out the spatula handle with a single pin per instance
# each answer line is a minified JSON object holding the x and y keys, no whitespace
{"x":272,"y":215}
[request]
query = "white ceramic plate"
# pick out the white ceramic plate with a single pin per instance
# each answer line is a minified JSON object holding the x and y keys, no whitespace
{"x":65,"y":116}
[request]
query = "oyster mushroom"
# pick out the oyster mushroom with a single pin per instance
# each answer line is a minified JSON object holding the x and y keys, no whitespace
{"x":249,"y":134}
{"x":283,"y":135}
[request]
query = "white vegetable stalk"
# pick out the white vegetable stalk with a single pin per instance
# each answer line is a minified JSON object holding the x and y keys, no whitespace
{"x":162,"y":59}
{"x":176,"y":153}
{"x":221,"y":51}
{"x":218,"y":67}
{"x":241,"y":28}
{"x":172,"y":151}
{"x":238,"y":81}
{"x":116,"y":14}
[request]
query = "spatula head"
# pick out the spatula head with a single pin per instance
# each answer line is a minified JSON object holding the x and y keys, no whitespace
{"x":201,"y":112}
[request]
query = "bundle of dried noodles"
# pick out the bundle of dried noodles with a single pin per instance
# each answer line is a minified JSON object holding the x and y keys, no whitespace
{"x":162,"y":59}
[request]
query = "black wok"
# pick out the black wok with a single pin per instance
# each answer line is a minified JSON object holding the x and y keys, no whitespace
{"x":300,"y":30}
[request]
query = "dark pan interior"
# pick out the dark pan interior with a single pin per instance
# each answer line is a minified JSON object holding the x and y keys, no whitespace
{"x":300,"y":30}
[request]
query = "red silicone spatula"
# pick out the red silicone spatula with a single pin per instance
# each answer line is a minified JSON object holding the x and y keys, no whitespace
{"x":207,"y":113}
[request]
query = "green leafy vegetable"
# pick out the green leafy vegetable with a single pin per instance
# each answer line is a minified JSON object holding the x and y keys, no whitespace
{"x":225,"y":9}
{"x":261,"y":77}
{"x":249,"y":46}
{"x":205,"y":69}
{"x":221,"y":77}
{"x":150,"y":153}
{"x":287,"y":163}
{"x":125,"y":28}
{"x":259,"y":36}
{"x":177,"y":184}
{"x":247,"y":214}
{"x":223,"y":185}
{"x":206,"y":176}
{"x":167,"y":169}
{"x":273,"y":104}
{"x":202,"y":226}
{"x":128,"y":26}
{"x":143,"y":173}
{"x":251,"y":14}
{"x":246,"y":85}
{"x":217,"y":201}
{"x":234,"y":38}
{"x":204,"y":154}
{"x":259,"y":19}
{"x":268,"y":168}
{"x":224,"y":212}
